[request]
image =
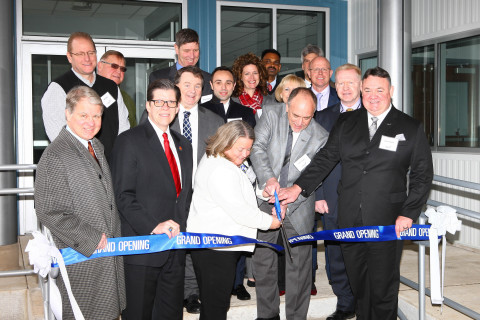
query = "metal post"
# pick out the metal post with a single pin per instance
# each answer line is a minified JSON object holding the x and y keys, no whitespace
{"x":8,"y":203}
{"x":421,"y":275}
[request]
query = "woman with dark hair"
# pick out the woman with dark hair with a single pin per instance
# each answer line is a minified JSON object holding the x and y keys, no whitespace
{"x":224,"y":202}
{"x":251,"y":89}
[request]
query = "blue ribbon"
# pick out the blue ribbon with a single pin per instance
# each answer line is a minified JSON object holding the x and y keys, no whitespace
{"x":160,"y":242}
{"x":365,"y":234}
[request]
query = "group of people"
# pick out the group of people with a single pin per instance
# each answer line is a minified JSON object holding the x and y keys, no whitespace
{"x":208,"y":155}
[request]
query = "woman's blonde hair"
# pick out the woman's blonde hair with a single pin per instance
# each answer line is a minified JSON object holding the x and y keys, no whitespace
{"x":226,"y":136}
{"x":293,"y":79}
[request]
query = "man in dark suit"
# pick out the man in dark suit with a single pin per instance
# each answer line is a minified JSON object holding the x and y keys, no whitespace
{"x":222,"y":83}
{"x":378,"y":146}
{"x":348,"y":80}
{"x":320,"y":73}
{"x":187,"y":49}
{"x":152,"y":174}
{"x":271,"y":60}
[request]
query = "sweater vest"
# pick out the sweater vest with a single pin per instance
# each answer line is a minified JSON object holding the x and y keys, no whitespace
{"x":109,"y":130}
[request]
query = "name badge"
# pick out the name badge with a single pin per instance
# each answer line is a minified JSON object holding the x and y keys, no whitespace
{"x":233,"y":119}
{"x":206,"y":98}
{"x":301,"y":163}
{"x":107,"y":100}
{"x":388,"y":143}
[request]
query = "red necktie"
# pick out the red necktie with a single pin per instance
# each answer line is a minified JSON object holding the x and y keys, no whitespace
{"x":90,"y":149}
{"x":172,"y":163}
{"x":269,"y":87}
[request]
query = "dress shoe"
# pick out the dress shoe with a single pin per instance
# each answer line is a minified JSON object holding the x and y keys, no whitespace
{"x":251,"y":283}
{"x":277,"y":317}
{"x":313,"y":292}
{"x":192,"y":304}
{"x":341,"y":315}
{"x":241,"y":293}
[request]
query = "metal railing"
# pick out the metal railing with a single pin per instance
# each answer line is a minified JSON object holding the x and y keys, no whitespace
{"x":420,"y":286}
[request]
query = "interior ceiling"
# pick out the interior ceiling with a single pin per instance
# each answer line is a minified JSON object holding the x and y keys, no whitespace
{"x":91,"y":9}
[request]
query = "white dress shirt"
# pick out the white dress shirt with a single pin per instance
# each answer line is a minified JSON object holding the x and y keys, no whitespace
{"x":194,"y":126}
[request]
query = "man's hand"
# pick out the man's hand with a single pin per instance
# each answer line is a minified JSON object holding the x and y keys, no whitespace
{"x":402,"y":224}
{"x":289,"y":195}
{"x":271,"y":186}
{"x":282,"y":212}
{"x":103,"y":242}
{"x":169,"y":227}
{"x":321,"y":206}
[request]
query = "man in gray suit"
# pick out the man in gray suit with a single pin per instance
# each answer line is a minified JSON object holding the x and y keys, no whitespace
{"x":286,"y":141}
{"x":74,"y":198}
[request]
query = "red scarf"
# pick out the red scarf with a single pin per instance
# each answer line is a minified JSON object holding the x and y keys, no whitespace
{"x":254,"y":102}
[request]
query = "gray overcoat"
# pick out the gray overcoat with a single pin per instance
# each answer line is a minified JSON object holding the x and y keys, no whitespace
{"x":74,"y":198}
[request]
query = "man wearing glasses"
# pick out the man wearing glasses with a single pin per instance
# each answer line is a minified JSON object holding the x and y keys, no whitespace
{"x":82,"y":55}
{"x":152,"y":177}
{"x":320,"y":73}
{"x":112,"y":66}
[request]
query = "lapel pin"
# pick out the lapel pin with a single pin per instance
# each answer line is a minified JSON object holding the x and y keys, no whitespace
{"x":180,"y":148}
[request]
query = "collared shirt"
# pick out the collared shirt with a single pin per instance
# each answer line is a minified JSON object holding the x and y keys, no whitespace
{"x":194,"y":126}
{"x":295,"y":136}
{"x":308,"y":84}
{"x":226,"y":105}
{"x":54,"y":103}
{"x":380,"y":117}
{"x":82,"y":141}
{"x":159,"y":133}
{"x":354,"y":107}
{"x":178,"y":66}
{"x":324,"y":99}
{"x":273,"y":83}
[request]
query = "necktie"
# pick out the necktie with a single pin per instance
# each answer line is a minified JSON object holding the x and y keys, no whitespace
{"x":172,"y":163}
{"x":286,"y":161}
{"x":269,"y":87}
{"x":319,"y":98}
{"x":92,"y":152}
{"x":349,"y":109}
{"x":373,"y":127}
{"x":187,"y":129}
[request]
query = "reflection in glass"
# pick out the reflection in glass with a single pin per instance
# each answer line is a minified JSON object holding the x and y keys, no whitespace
{"x":459,"y":98}
{"x":423,"y":76}
{"x":296,"y":29}
{"x":367,"y":63}
{"x":126,"y":20}
{"x":244,"y":30}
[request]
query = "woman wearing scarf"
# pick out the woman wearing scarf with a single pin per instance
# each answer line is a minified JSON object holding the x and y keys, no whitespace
{"x":251,"y":89}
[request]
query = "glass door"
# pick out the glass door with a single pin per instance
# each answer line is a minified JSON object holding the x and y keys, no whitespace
{"x":41,"y":63}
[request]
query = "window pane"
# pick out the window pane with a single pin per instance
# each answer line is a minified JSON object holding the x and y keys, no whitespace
{"x":423,"y":75}
{"x":459,"y":86}
{"x":296,"y":29}
{"x":368,"y":63}
{"x":102,"y":19}
{"x":244,"y":30}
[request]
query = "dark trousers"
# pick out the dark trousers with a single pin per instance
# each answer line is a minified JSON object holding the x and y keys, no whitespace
{"x":240,"y":270}
{"x":215,"y":271}
{"x":155,"y":292}
{"x":374,"y":272}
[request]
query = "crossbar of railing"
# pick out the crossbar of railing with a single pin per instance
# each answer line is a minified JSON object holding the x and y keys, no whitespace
{"x":13,"y":167}
{"x":16,"y":273}
{"x":452,"y":304}
{"x":456,"y":182}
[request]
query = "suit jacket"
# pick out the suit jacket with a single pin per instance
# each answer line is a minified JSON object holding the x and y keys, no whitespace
{"x":170,"y":72}
{"x":374,"y":180}
{"x":208,"y":123}
{"x":268,"y":153}
{"x":235,"y":111}
{"x":144,"y":187}
{"x":74,"y":199}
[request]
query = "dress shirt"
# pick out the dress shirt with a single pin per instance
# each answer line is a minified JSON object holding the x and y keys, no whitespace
{"x":194,"y":126}
{"x":226,"y":105}
{"x":273,"y":83}
{"x":159,"y":133}
{"x":354,"y":107}
{"x":82,"y":141}
{"x":380,"y":117}
{"x":54,"y":103}
{"x":324,"y":99}
{"x":308,"y":84}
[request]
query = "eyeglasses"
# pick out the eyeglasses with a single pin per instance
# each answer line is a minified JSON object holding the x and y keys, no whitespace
{"x":83,"y":54}
{"x":318,"y":70}
{"x":115,"y":66}
{"x":161,"y":103}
